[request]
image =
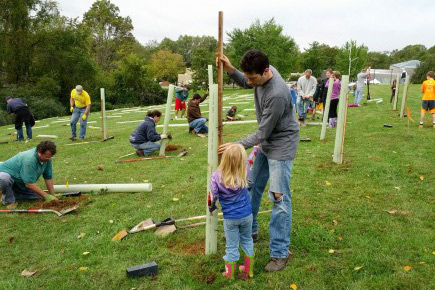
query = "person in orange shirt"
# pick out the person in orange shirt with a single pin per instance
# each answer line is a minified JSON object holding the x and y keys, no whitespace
{"x":428,"y":105}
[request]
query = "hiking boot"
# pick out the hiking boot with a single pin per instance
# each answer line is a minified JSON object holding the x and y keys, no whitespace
{"x":230,"y":269}
{"x":248,"y":267}
{"x":12,"y":206}
{"x":140,"y":153}
{"x":276,"y":264}
{"x":255,"y":237}
{"x":73,"y":138}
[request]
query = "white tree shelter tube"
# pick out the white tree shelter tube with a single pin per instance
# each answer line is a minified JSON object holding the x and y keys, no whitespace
{"x":127,"y":187}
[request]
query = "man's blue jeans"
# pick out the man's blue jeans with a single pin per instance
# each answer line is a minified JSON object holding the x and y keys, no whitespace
{"x":147,"y":147}
{"x":20,"y":135}
{"x":12,"y":192}
{"x":76,"y":115}
{"x":302,"y":107}
{"x":199,"y":125}
{"x":239,"y":230}
{"x":279,"y":173}
{"x":359,"y":95}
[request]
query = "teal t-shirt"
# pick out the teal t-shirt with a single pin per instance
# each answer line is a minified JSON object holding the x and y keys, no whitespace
{"x":26,"y":168}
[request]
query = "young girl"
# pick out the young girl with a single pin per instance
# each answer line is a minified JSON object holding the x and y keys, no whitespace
{"x":393,"y":91}
{"x":229,"y":185}
{"x":334,"y":99}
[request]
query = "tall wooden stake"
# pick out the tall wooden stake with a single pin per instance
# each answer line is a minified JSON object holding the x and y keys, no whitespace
{"x":405,"y":97}
{"x":103,"y":113}
{"x":212,"y":219}
{"x":220,"y":74}
{"x":326,"y":109}
{"x":341,"y":127}
{"x":396,"y":95}
{"x":167,"y":119}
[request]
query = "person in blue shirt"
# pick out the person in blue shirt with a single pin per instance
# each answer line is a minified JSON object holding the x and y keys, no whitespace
{"x":19,"y":174}
{"x":182,"y":93}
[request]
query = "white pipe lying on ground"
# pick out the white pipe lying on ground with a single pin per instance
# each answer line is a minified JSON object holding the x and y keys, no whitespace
{"x":47,"y":136}
{"x":126,"y":187}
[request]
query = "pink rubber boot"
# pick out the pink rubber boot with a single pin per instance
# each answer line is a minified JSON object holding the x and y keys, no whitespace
{"x":248,"y":267}
{"x":230,"y":269}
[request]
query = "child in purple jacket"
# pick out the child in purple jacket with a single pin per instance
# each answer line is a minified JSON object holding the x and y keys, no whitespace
{"x":229,"y":185}
{"x":336,"y":88}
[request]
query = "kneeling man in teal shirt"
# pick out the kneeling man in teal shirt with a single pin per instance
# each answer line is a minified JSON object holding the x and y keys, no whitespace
{"x":18,"y":175}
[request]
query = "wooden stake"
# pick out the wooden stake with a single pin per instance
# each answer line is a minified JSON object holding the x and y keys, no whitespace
{"x":326,"y":109}
{"x":103,"y":113}
{"x":396,"y":95}
{"x":220,"y":75}
{"x":405,"y":97}
{"x":167,"y":119}
{"x":339,"y":136}
{"x":212,"y":219}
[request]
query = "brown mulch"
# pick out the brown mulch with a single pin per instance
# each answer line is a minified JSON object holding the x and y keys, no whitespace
{"x":170,"y":148}
{"x":60,"y":204}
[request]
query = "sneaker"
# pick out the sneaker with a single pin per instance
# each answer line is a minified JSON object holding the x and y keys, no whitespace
{"x":276,"y":264}
{"x":73,"y":138}
{"x":140,"y":153}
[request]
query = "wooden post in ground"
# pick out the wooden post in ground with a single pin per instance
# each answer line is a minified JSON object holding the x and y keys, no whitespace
{"x":213,"y":140}
{"x":103,"y":113}
{"x":396,"y":95}
{"x":405,"y":97}
{"x":326,"y":109}
{"x":220,"y":74}
{"x":210,"y":76}
{"x":341,"y":122}
{"x":167,"y":119}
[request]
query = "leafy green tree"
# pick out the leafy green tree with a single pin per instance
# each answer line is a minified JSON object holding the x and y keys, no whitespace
{"x":111,"y":33}
{"x":270,"y":39}
{"x":318,"y":58}
{"x":409,"y":52}
{"x":428,"y":64}
{"x":379,"y":60}
{"x":167,"y":65}
{"x":358,"y":58}
{"x":133,"y":84}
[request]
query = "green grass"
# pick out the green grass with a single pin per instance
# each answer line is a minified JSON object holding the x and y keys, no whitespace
{"x":381,"y":172}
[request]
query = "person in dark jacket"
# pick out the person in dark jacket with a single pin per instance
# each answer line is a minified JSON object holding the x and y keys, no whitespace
{"x":22,"y":114}
{"x":196,"y":120}
{"x":329,"y":73}
{"x":145,"y":138}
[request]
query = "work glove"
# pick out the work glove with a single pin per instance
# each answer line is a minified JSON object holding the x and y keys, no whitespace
{"x":84,"y":117}
{"x":211,"y":204}
{"x":71,"y":109}
{"x":164,"y":136}
{"x":50,"y":197}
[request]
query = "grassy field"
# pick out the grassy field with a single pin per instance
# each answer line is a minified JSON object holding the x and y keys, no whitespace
{"x":343,"y":208}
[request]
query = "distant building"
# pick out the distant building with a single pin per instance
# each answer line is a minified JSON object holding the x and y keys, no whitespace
{"x":186,"y":78}
{"x":410,"y":66}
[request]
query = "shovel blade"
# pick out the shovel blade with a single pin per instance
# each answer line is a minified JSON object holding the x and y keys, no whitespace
{"x":68,"y":210}
{"x":141,"y":226}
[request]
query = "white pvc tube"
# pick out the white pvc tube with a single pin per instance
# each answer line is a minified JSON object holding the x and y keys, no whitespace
{"x":127,"y":187}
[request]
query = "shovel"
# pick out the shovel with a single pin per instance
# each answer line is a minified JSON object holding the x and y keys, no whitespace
{"x":59,"y":213}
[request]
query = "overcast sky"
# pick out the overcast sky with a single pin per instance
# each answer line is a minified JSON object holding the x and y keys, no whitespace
{"x":380,"y":25}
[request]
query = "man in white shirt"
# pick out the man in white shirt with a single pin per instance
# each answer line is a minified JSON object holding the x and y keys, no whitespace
{"x":306,"y":89}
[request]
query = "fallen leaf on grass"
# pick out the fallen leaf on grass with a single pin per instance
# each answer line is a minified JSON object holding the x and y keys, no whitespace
{"x":83,"y":268}
{"x":392,"y":211}
{"x":335,"y":223}
{"x":340,"y":238}
{"x":331,"y":251}
{"x":407,"y":268}
{"x":433,"y":253}
{"x":11,"y":239}
{"x":86,"y":253}
{"x":327,"y":183}
{"x":358,"y":268}
{"x":332,"y":231}
{"x":81,"y":235}
{"x":322,"y":215}
{"x":367,"y":196}
{"x":28,"y":273}
{"x":421,"y":177}
{"x":175,"y":199}
{"x":62,"y":250}
{"x":293,"y":286}
{"x":397,"y":187}
{"x":110,"y":221}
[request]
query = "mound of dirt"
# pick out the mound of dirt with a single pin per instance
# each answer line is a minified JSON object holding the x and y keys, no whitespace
{"x":170,"y":148}
{"x":60,"y":204}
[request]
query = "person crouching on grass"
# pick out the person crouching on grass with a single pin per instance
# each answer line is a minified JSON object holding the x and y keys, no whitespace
{"x":231,"y":114}
{"x":145,"y":138}
{"x":428,"y":104}
{"x":229,"y":185}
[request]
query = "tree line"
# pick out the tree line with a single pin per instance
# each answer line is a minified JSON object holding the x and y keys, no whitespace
{"x":44,"y":54}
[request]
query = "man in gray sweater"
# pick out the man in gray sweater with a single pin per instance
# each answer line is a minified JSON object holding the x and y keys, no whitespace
{"x":306,"y":89}
{"x":278,"y":137}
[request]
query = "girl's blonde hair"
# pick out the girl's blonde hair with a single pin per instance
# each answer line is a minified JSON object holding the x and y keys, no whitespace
{"x":233,"y":167}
